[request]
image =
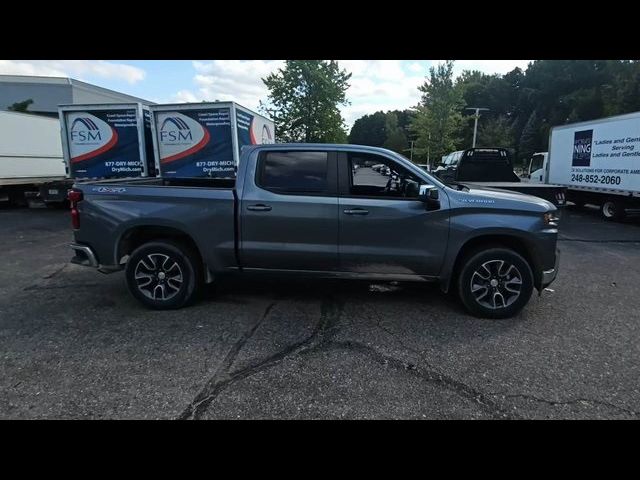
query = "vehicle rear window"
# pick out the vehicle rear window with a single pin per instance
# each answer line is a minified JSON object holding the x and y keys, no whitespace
{"x":294,"y":172}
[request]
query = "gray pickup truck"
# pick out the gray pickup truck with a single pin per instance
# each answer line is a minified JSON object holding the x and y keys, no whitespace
{"x":318,"y":210}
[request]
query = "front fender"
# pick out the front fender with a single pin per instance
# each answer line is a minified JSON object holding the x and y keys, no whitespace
{"x":470,"y":229}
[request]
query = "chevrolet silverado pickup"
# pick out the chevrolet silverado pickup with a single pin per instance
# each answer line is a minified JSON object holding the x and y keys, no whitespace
{"x":319,"y":210}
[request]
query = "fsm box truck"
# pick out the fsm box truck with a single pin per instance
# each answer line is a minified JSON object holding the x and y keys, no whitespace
{"x":193,"y":140}
{"x":107,"y":140}
{"x":598,"y":161}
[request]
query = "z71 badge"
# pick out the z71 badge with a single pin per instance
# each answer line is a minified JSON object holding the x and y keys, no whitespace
{"x":109,"y":189}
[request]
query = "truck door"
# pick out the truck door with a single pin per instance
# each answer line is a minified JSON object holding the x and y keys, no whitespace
{"x":384,"y":228}
{"x":289,"y":212}
{"x":536,"y":168}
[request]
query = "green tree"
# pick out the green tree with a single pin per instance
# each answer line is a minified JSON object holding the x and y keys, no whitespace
{"x":21,"y":106}
{"x":495,"y":132}
{"x":438,"y":121}
{"x":529,"y":139}
{"x":304,"y":99}
{"x":369,"y":130}
{"x":396,"y":139}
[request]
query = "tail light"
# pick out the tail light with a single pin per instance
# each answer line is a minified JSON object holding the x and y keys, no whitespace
{"x":74,"y":196}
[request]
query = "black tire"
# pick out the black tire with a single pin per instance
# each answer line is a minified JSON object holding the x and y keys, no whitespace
{"x":612,"y":210}
{"x":473,"y":268}
{"x":180,"y":284}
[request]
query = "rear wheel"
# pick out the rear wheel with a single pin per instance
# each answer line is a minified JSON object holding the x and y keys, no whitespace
{"x":495,"y":283}
{"x":612,"y":210}
{"x":164,"y":275}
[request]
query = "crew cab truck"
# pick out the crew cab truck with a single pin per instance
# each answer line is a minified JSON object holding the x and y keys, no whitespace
{"x":598,"y":161}
{"x":493,"y":167}
{"x":317,"y":210}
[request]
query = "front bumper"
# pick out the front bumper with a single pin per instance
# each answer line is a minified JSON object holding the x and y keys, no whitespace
{"x":548,"y":276}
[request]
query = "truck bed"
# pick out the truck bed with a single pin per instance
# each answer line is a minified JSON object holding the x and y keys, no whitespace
{"x":202,"y":208}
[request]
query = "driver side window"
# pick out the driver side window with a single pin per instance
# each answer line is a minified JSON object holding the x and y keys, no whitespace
{"x":376,"y":176}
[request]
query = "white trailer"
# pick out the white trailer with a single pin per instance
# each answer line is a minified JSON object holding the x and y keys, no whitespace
{"x":598,"y":161}
{"x":30,"y":156}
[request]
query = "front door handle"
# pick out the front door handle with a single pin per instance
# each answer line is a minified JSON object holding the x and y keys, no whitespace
{"x":259,"y":208}
{"x":356,"y":211}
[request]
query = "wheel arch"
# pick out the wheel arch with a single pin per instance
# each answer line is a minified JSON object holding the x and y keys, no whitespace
{"x":505,"y":240}
{"x":138,"y":235}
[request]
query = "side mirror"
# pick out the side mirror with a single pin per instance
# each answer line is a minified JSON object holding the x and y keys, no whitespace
{"x":430,"y":195}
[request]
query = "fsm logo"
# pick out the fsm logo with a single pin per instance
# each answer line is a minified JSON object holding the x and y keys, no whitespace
{"x":582,"y":148}
{"x":179,"y":136}
{"x":84,"y":129}
{"x":89,"y":136}
{"x":175,"y":129}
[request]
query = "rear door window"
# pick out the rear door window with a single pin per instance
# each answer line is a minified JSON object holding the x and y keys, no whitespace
{"x":295,"y":172}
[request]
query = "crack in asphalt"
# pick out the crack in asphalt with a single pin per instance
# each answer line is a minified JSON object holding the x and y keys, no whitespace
{"x":326,"y":328}
{"x":568,"y":402}
{"x":429,"y":375}
{"x":322,"y":339}
{"x":51,"y":275}
{"x":435,"y":373}
{"x":223,"y":369}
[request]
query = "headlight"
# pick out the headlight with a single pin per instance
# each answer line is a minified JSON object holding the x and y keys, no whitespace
{"x":551,"y":219}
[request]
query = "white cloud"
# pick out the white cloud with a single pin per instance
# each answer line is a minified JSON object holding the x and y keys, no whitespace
{"x":73,"y":68}
{"x":381,"y":85}
{"x":184,"y":96}
{"x":237,"y":80}
{"x":416,"y":67}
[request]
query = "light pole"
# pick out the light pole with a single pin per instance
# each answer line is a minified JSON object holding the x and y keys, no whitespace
{"x":475,"y":126}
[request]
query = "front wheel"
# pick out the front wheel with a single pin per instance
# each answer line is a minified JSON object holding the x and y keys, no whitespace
{"x":163,"y":275}
{"x":495,"y":283}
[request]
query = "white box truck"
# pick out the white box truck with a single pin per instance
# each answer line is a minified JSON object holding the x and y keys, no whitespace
{"x":598,"y":161}
{"x":31,"y":157}
{"x":192,"y":140}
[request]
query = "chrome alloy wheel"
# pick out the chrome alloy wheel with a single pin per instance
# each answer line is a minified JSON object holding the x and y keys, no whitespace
{"x":496,"y":284}
{"x":158,"y":276}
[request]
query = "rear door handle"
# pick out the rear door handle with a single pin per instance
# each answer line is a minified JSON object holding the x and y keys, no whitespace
{"x":356,"y":211}
{"x":259,"y":208}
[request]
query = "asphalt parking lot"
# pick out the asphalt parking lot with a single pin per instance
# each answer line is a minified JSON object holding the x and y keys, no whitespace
{"x":75,"y":344}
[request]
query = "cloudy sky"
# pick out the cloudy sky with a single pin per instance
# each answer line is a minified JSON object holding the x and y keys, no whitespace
{"x":375,"y":84}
